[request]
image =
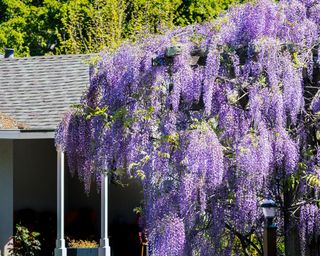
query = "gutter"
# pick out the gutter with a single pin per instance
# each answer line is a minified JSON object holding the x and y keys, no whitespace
{"x":27,"y":134}
{"x":36,"y":130}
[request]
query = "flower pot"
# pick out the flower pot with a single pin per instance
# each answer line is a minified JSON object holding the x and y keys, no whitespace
{"x":82,"y":252}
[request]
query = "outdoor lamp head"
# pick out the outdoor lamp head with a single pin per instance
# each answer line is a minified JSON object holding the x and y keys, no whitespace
{"x":268,"y":208}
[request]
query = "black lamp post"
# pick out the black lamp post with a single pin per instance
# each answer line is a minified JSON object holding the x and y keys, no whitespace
{"x":270,"y":229}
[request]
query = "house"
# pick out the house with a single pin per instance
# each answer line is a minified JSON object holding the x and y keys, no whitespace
{"x":35,"y":92}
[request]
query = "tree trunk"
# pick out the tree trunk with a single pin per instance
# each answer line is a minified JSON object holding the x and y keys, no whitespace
{"x":291,"y":229}
{"x":315,"y":247}
{"x":292,"y":243}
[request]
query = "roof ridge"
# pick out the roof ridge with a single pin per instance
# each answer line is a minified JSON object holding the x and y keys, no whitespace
{"x":48,"y":57}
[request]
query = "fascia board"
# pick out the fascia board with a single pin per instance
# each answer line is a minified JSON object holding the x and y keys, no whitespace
{"x":17,"y":134}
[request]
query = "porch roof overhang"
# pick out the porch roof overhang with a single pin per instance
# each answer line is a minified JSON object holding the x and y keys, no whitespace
{"x":27,"y":134}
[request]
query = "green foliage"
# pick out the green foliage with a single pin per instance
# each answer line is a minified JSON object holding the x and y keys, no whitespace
{"x":25,"y":243}
{"x":29,"y":27}
{"x":137,"y":210}
{"x":191,"y":11}
{"x":42,"y":27}
{"x":90,"y":113}
{"x":313,"y":180}
{"x":150,"y":16}
{"x":136,"y":168}
{"x":89,"y":26}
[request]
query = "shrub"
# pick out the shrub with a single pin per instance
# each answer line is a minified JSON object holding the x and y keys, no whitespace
{"x":25,"y":243}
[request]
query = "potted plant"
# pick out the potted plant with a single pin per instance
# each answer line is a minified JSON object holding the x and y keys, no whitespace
{"x":82,"y":248}
{"x":25,"y":242}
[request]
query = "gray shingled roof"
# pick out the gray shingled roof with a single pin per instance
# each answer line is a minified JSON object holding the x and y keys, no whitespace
{"x":37,"y":91}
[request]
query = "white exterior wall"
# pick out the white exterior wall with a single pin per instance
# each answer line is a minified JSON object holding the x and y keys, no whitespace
{"x":6,"y":194}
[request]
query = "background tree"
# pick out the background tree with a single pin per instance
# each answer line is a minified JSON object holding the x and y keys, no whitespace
{"x":195,"y":11}
{"x":30,"y":27}
{"x":39,"y":27}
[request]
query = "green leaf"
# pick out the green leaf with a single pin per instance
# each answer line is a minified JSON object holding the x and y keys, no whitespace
{"x":137,"y":210}
{"x":318,"y":135}
{"x":313,"y":180}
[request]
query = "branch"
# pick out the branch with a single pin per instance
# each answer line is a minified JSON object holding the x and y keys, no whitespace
{"x":301,"y":203}
{"x":244,"y":240}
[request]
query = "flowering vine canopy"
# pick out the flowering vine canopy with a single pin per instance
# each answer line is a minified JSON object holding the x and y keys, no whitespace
{"x":212,"y":118}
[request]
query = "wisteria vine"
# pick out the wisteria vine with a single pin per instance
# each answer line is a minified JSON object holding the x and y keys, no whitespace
{"x":212,"y":118}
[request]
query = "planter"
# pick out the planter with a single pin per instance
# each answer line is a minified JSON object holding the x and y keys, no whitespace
{"x":82,"y":251}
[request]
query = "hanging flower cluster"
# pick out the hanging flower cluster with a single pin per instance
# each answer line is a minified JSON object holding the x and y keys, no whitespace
{"x":212,"y":118}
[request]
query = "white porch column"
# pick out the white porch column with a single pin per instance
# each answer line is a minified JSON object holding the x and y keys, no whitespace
{"x":60,"y":249}
{"x":104,"y":248}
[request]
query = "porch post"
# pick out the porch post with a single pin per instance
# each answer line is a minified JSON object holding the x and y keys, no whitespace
{"x":104,"y":248}
{"x":60,"y":249}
